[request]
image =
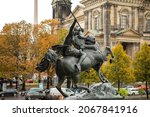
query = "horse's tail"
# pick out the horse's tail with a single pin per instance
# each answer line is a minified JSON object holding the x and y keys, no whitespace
{"x":48,"y":60}
{"x":43,"y":65}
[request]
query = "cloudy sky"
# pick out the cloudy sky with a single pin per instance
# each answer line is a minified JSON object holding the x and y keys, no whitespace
{"x":17,"y":10}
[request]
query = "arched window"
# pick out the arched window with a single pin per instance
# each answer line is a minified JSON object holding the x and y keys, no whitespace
{"x":148,"y":22}
{"x":124,"y":18}
{"x":96,"y":17}
{"x":96,"y":23}
{"x":148,"y":25}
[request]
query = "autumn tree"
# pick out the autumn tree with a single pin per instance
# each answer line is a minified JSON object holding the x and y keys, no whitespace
{"x":120,"y":71}
{"x":46,"y":34}
{"x":7,"y":61}
{"x":17,"y":38}
{"x":142,"y":64}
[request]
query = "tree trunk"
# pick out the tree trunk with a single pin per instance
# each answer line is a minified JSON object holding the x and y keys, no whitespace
{"x":23,"y":86}
{"x":39,"y":78}
{"x":1,"y":85}
{"x":11,"y":83}
{"x":118,"y":84}
{"x":147,"y":89}
{"x":17,"y":82}
{"x":48,"y":82}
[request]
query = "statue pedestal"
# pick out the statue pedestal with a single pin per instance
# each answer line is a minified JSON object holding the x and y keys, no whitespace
{"x":99,"y":91}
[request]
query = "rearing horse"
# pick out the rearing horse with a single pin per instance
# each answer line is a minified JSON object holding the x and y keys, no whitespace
{"x":65,"y":67}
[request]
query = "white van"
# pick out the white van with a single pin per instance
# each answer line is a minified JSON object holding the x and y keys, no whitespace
{"x":133,"y":91}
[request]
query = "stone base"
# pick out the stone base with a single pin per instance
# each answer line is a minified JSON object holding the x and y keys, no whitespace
{"x":99,"y":91}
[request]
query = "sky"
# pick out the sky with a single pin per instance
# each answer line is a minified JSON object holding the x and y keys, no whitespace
{"x":17,"y":10}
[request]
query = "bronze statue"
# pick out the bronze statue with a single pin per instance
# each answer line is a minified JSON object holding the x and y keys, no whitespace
{"x":70,"y":60}
{"x":65,"y":66}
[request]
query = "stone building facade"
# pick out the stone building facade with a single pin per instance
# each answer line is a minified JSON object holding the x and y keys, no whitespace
{"x":60,"y":10}
{"x":113,"y":21}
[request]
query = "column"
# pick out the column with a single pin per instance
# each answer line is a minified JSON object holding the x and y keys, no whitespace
{"x":136,"y":19}
{"x":101,"y":20}
{"x":118,"y":19}
{"x":112,"y":14}
{"x":133,"y":17}
{"x":141,"y":19}
{"x":106,"y":22}
{"x":91,"y":24}
{"x":115,"y":17}
{"x":89,"y":20}
{"x":136,"y":47}
{"x":86,"y":20}
{"x":145,"y":24}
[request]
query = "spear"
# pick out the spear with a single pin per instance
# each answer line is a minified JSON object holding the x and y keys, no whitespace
{"x":72,"y":13}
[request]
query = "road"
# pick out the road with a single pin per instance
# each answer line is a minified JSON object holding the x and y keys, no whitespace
{"x":19,"y":97}
{"x":136,"y":97}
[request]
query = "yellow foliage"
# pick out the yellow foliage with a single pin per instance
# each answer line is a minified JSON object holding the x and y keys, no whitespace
{"x":142,"y":63}
{"x":121,"y":68}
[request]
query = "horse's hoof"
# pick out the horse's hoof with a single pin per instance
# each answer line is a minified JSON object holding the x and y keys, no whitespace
{"x":105,"y":81}
{"x":65,"y":96}
{"x":88,"y":91}
{"x":62,"y":93}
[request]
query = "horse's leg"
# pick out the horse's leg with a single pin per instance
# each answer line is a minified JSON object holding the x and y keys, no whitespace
{"x":100,"y":74}
{"x":102,"y":77}
{"x":60,"y":82}
{"x":68,"y":82}
{"x":75,"y":81}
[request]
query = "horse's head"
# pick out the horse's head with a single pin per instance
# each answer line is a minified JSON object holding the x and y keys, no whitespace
{"x":48,"y":60}
{"x":106,"y":52}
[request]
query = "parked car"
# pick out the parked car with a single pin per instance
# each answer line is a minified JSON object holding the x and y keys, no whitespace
{"x":54,"y":91}
{"x":129,"y":86}
{"x":9,"y":92}
{"x":35,"y":93}
{"x":29,"y":81}
{"x":133,"y":91}
{"x":148,"y":91}
{"x":142,"y":87}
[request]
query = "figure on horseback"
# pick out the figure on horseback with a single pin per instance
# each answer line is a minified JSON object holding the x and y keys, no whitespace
{"x":84,"y":55}
{"x":76,"y":38}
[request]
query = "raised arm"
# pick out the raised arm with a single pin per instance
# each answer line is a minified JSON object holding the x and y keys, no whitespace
{"x":69,"y":37}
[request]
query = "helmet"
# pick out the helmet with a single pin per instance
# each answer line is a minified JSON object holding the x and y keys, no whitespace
{"x":77,"y":28}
